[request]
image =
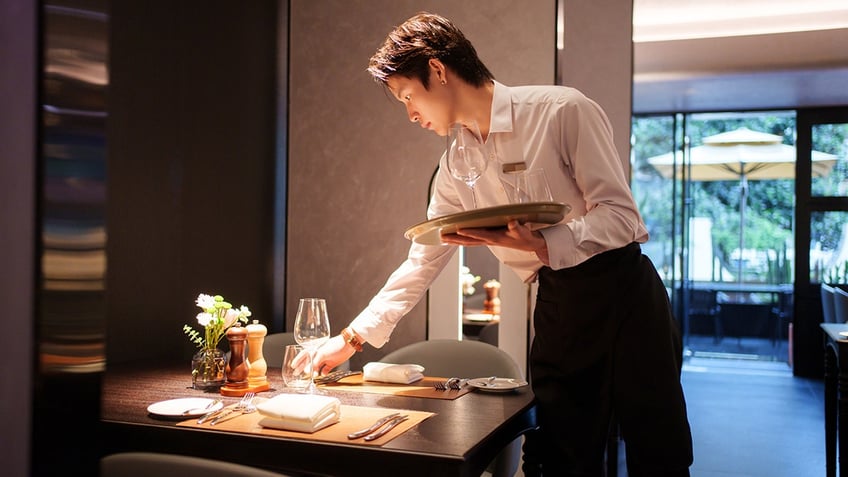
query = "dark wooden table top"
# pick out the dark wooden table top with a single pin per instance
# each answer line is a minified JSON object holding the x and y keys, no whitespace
{"x":463,"y":436}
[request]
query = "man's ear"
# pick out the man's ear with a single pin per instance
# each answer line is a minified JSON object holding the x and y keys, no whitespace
{"x":437,"y":67}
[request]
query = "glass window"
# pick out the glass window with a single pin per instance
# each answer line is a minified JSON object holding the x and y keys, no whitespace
{"x":830,"y":160}
{"x":829,"y":247}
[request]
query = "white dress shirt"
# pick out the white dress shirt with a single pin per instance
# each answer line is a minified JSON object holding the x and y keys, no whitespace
{"x":555,"y":128}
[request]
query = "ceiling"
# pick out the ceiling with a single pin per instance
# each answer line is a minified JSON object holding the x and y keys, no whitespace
{"x":730,"y":55}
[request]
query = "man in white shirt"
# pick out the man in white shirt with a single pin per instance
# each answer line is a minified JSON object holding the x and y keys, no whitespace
{"x":605,"y":339}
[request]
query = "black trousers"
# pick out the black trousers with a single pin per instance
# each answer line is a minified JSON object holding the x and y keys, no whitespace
{"x":606,"y":342}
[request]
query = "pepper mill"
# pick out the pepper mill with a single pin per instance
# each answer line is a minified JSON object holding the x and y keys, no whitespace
{"x":256,"y":332}
{"x":492,"y":303}
{"x":237,"y":367}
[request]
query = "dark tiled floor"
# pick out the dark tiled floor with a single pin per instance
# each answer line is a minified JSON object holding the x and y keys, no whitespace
{"x":754,"y":419}
{"x":750,"y":416}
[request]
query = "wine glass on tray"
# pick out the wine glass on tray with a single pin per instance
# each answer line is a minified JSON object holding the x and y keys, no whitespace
{"x":312,"y":329}
{"x":466,"y":157}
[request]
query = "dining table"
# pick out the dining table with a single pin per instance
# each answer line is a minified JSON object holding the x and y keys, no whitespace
{"x":448,"y":435}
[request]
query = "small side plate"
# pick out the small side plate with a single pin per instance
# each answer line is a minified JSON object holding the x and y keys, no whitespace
{"x":497,"y":385}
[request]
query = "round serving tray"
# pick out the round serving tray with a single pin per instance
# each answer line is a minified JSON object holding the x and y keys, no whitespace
{"x":537,"y":214}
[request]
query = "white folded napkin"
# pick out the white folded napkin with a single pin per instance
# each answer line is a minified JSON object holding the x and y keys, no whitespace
{"x":299,"y":412}
{"x":392,"y":373}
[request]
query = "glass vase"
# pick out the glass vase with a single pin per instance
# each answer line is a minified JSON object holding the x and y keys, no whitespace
{"x":208,"y":369}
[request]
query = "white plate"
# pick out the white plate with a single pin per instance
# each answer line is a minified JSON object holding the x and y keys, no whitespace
{"x":537,"y":214}
{"x":498,"y":385}
{"x":176,"y":407}
{"x":479,"y":316}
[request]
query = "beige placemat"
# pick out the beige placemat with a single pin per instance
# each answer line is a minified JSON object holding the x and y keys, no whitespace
{"x":353,"y":418}
{"x":423,"y":388}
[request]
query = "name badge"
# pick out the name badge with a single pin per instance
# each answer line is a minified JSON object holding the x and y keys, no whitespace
{"x":513,"y":167}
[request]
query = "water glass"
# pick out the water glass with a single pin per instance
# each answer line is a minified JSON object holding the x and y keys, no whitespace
{"x":297,"y":368}
{"x":531,"y":186}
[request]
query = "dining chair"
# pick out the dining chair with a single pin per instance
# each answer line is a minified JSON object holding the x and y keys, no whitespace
{"x":489,"y":333}
{"x":146,"y":464}
{"x":466,"y":359}
{"x":827,"y":302}
{"x":275,"y":345}
{"x":840,"y":304}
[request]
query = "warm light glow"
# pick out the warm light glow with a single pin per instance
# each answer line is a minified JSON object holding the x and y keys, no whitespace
{"x":663,"y":20}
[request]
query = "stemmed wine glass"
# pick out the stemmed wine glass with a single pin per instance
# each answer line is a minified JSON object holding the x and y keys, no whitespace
{"x":311,"y":330}
{"x":466,"y":157}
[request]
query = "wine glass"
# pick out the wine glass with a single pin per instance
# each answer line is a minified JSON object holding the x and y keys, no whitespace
{"x":312,"y":329}
{"x":297,"y":370}
{"x":466,"y":157}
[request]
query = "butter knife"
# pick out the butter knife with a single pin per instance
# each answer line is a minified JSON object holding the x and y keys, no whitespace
{"x":368,"y":430}
{"x":209,"y":414}
{"x":389,"y":426}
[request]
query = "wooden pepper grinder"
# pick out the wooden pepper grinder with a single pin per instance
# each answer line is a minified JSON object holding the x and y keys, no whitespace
{"x":256,"y":377}
{"x":237,"y":367}
{"x":492,"y":303}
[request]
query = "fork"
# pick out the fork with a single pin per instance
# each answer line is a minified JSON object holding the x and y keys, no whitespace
{"x":458,"y":383}
{"x":246,"y":400}
{"x":445,"y":385}
{"x":334,"y":376}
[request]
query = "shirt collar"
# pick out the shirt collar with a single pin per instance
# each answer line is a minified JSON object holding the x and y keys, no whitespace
{"x":501,"y":110}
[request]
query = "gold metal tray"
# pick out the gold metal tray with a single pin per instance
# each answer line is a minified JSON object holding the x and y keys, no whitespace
{"x":537,"y":214}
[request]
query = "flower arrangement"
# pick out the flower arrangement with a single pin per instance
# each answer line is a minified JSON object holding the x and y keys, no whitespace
{"x":217,"y":317}
{"x":467,"y":281}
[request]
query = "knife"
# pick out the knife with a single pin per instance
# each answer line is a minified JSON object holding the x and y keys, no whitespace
{"x":389,"y":426}
{"x":209,"y":414}
{"x":380,"y":422}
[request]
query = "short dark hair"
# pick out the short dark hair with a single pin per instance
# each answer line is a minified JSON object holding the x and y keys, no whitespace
{"x":409,"y":47}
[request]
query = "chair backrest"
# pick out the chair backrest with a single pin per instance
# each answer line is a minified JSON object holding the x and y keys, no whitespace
{"x":827,"y":302}
{"x":840,"y":305}
{"x":489,"y":333}
{"x":145,"y":464}
{"x":464,"y":359}
{"x":274,"y":346}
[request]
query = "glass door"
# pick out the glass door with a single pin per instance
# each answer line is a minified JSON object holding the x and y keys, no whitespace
{"x":717,"y":193}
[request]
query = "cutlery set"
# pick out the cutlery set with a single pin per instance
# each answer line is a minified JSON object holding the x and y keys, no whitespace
{"x":379,"y":428}
{"x":198,"y":410}
{"x":246,"y":406}
{"x":452,"y":383}
{"x":334,"y":376}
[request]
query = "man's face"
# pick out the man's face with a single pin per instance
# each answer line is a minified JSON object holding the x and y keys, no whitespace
{"x":431,"y":108}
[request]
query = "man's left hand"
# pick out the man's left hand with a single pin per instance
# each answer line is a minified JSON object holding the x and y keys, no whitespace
{"x":515,"y":235}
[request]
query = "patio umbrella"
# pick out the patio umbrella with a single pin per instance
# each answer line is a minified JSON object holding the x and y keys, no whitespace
{"x":740,"y":155}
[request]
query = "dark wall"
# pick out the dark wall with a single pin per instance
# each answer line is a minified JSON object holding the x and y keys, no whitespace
{"x":18,"y":63}
{"x":191,"y":167}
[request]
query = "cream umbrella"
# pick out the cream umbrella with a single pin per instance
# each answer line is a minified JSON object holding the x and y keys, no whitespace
{"x":741,"y":154}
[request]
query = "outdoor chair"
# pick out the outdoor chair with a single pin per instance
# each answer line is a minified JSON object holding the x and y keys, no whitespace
{"x":827,"y":302}
{"x":703,"y":304}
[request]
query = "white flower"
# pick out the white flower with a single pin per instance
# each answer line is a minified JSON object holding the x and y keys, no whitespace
{"x":205,"y":301}
{"x":217,"y":317}
{"x":204,"y":319}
